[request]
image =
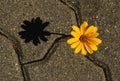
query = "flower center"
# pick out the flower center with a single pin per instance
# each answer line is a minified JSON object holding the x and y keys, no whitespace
{"x":83,"y":38}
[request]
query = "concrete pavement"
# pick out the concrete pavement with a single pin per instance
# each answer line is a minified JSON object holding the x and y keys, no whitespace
{"x":26,"y":55}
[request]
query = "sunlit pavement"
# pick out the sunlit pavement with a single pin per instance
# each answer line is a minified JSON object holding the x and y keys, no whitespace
{"x":33,"y":35}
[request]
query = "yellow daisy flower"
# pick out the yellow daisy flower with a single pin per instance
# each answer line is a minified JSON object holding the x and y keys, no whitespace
{"x":84,"y":38}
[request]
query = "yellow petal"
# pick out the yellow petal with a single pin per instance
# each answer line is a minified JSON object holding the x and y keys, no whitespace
{"x":98,"y":41}
{"x":92,"y":35}
{"x":94,"y":41}
{"x":72,"y":40}
{"x":94,"y":47}
{"x":91,"y":30}
{"x":76,"y":29}
{"x":88,"y":48}
{"x":74,"y":34}
{"x":74,"y":45}
{"x":77,"y":50}
{"x":84,"y":24}
{"x":83,"y":27}
{"x":83,"y":50}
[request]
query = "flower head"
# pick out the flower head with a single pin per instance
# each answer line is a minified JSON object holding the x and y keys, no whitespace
{"x":84,"y":39}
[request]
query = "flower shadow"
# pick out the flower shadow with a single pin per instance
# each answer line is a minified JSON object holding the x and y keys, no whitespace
{"x":34,"y":31}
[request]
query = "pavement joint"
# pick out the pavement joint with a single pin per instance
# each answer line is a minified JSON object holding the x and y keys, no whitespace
{"x":78,"y":17}
{"x":100,"y":64}
{"x":16,"y":46}
{"x":18,"y":50}
{"x":47,"y":54}
{"x":104,"y":66}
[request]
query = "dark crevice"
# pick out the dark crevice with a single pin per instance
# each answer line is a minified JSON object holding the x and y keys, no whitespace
{"x":23,"y":73}
{"x":76,"y":10}
{"x":16,"y":46}
{"x":26,"y":72}
{"x":104,"y":66}
{"x":47,"y":55}
{"x":18,"y":50}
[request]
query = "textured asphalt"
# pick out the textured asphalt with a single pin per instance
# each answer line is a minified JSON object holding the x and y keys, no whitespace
{"x":33,"y":35}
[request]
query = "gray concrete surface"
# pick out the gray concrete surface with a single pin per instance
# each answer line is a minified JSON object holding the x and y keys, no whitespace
{"x":54,"y":60}
{"x":63,"y":65}
{"x":13,"y":13}
{"x":9,"y":65}
{"x":105,"y":14}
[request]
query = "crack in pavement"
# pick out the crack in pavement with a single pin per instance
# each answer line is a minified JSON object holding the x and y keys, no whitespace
{"x":93,"y":59}
{"x":16,"y":46}
{"x":47,"y":55}
{"x":104,"y":66}
{"x":76,"y":11}
{"x":18,"y":50}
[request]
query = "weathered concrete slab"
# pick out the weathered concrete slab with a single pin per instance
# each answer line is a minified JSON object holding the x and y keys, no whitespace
{"x":9,"y":66}
{"x":63,"y":65}
{"x":116,"y":77}
{"x":14,"y":12}
{"x":105,"y":15}
{"x":60,"y":64}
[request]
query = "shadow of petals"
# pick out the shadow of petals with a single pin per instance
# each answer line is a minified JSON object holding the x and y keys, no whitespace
{"x":34,"y":31}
